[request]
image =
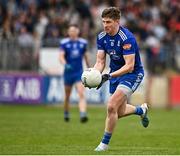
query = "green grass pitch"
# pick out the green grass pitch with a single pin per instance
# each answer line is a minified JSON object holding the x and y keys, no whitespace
{"x":41,"y":130}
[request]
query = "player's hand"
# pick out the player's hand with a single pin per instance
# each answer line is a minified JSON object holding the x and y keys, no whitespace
{"x":105,"y":77}
{"x":68,"y":67}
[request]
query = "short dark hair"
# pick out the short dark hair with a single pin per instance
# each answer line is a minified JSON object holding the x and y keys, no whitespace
{"x":111,"y":12}
{"x":73,"y":25}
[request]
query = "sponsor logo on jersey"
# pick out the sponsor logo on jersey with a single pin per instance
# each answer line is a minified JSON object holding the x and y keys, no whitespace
{"x":127,"y":46}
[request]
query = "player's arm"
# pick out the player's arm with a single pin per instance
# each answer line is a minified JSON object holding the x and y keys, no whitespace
{"x":86,"y":58}
{"x":100,"y":60}
{"x":62,"y":57}
{"x":63,"y":60}
{"x":127,"y":68}
{"x":129,"y":58}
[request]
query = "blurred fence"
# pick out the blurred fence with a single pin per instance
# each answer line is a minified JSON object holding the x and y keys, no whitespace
{"x":9,"y":54}
{"x":16,"y":57}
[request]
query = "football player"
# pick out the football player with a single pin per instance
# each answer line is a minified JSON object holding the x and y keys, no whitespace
{"x":72,"y":52}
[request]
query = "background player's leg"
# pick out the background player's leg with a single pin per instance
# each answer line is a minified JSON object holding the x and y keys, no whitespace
{"x":82,"y":102}
{"x":66,"y":102}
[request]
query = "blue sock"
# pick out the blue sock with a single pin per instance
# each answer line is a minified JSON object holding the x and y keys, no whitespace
{"x":66,"y":114}
{"x":138,"y":110}
{"x":83,"y":114}
{"x":106,"y":138}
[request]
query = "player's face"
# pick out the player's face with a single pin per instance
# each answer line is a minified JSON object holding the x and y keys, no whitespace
{"x":73,"y":32}
{"x":110,"y":25}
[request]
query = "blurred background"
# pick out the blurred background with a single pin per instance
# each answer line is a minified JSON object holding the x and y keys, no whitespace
{"x":30,"y":32}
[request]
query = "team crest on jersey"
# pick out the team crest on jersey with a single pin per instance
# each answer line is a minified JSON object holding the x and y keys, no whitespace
{"x":112,"y":53}
{"x":81,"y":45}
{"x":68,"y":45}
{"x":75,"y":53}
{"x":127,"y":46}
{"x":75,"y":45}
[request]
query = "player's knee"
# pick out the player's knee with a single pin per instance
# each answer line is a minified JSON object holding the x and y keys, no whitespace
{"x":67,"y":97}
{"x":81,"y":95}
{"x":111,"y":109}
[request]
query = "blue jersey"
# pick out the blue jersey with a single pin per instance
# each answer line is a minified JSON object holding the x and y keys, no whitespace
{"x":74,"y":52}
{"x":123,"y":43}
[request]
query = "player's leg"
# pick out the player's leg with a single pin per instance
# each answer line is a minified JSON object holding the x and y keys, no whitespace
{"x":118,"y":107}
{"x":128,"y":85}
{"x":115,"y":101}
{"x":125,"y":110}
{"x":68,"y":89}
{"x":128,"y":109}
{"x":82,"y":102}
{"x":68,"y":84}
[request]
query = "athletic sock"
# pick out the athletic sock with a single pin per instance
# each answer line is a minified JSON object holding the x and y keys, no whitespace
{"x":83,"y":114}
{"x":106,"y":138}
{"x":138,"y":111}
{"x":66,"y":114}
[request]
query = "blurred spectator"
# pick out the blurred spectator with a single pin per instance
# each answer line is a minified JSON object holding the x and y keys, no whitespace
{"x":25,"y":41}
{"x":154,"y":63}
{"x":153,"y":54}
